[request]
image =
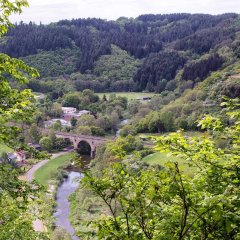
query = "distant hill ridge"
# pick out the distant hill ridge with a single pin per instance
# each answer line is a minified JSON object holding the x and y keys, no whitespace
{"x":151,"y":52}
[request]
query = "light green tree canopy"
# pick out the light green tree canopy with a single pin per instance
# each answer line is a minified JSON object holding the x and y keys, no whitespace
{"x":166,"y":203}
{"x":16,"y":106}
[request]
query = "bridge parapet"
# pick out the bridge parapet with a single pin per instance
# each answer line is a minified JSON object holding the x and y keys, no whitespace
{"x":76,"y":139}
{"x":63,"y":134}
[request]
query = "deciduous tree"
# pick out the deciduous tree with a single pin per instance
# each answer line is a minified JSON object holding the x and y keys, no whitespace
{"x":168,"y":203}
{"x":16,"y":106}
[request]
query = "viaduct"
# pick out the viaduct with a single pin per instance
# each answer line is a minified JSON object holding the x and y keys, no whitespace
{"x":76,"y":139}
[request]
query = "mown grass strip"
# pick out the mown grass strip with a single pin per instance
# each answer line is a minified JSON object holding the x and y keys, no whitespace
{"x":49,"y":171}
{"x":129,"y":95}
{"x":161,"y":158}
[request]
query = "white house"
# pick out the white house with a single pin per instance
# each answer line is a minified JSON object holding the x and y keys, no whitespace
{"x":69,"y":110}
{"x":77,"y":115}
{"x":63,"y":122}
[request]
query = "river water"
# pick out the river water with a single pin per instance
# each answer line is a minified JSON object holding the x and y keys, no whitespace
{"x":120,"y":125}
{"x":68,"y":186}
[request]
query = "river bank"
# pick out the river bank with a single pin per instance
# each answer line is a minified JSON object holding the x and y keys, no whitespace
{"x":61,"y":214}
{"x":52,"y":174}
{"x":85,"y":207}
{"x":66,"y":188}
{"x":38,"y":224}
{"x":53,"y":168}
{"x":61,"y":200}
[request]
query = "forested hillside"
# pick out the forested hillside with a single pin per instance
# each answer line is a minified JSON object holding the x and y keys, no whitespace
{"x":151,"y":52}
{"x":77,"y":162}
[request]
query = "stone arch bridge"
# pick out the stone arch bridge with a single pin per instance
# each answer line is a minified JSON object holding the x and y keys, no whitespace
{"x":76,"y":139}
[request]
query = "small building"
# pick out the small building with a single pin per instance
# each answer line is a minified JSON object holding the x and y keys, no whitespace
{"x":82,"y":112}
{"x":12,"y":158}
{"x":143,"y":99}
{"x":146,"y":98}
{"x":35,"y":146}
{"x":76,"y":115}
{"x":69,"y":110}
{"x":17,"y":157}
{"x":21,"y":156}
{"x":63,"y":122}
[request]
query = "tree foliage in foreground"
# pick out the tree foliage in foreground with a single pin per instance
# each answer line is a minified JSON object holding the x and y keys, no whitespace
{"x":15,"y":198}
{"x":15,"y":107}
{"x":154,"y":203}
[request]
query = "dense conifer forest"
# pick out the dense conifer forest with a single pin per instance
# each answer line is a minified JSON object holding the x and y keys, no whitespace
{"x":151,"y":52}
{"x":144,"y":110}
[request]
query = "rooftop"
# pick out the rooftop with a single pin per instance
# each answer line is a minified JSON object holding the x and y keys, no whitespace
{"x":68,"y":110}
{"x":62,"y":121}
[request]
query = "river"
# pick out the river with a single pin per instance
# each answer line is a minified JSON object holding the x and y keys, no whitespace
{"x":68,"y":186}
{"x":120,"y":125}
{"x":65,"y":189}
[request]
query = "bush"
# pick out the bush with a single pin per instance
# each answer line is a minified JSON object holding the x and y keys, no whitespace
{"x":46,"y":144}
{"x":97,"y":131}
{"x":128,"y":130}
{"x":145,"y":152}
{"x":60,"y":234}
{"x":61,"y":143}
{"x":84,"y":130}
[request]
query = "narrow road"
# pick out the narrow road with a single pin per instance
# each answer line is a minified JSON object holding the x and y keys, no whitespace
{"x":29,"y":176}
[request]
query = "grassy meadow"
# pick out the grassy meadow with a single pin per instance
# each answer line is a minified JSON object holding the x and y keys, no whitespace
{"x":129,"y":95}
{"x":50,"y":170}
{"x":161,"y":158}
{"x":186,"y":133}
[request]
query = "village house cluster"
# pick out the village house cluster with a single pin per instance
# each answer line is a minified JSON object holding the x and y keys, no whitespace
{"x":68,"y":114}
{"x":19,"y":157}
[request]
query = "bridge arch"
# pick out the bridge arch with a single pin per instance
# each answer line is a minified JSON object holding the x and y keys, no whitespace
{"x":84,"y":147}
{"x":76,"y":139}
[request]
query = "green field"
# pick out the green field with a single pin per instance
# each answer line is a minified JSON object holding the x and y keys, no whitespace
{"x":4,"y":148}
{"x":186,"y":133}
{"x":162,"y":158}
{"x":50,"y":170}
{"x":129,"y":95}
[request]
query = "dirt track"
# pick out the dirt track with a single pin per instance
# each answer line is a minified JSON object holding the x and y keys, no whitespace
{"x":29,"y":176}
